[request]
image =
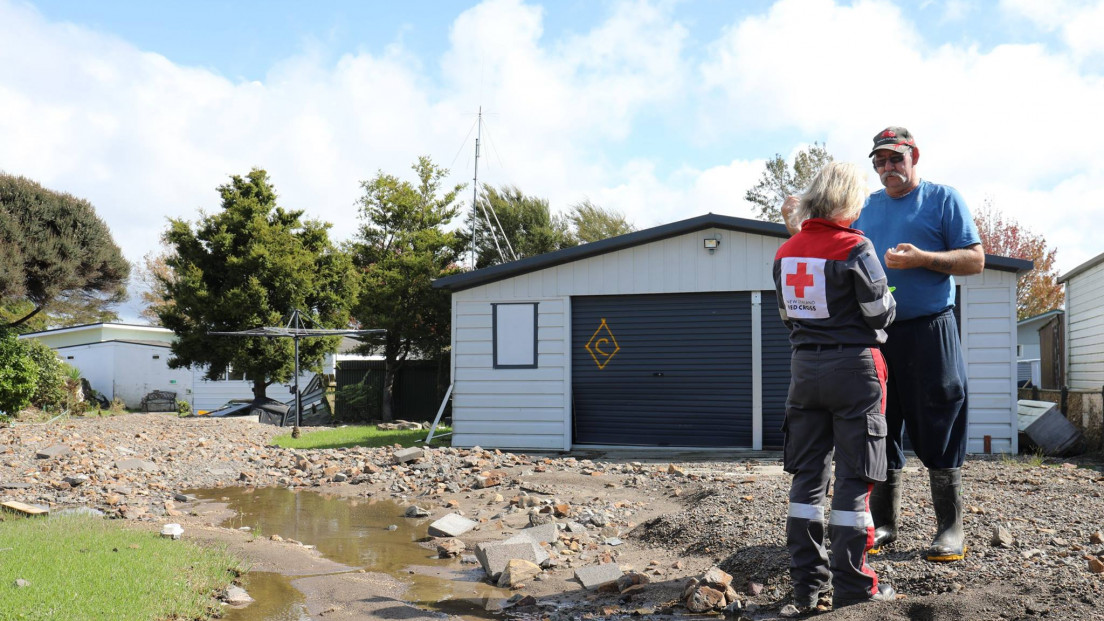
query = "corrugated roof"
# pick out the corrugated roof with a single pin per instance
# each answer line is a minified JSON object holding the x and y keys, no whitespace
{"x":467,"y":280}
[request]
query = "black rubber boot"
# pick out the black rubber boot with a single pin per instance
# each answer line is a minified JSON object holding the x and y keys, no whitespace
{"x":949,"y":544}
{"x":885,"y":508}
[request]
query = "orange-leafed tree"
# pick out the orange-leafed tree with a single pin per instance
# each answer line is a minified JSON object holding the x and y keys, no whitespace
{"x":1038,"y":290}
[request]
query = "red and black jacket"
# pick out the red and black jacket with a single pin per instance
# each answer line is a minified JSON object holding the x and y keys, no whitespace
{"x":831,"y":288}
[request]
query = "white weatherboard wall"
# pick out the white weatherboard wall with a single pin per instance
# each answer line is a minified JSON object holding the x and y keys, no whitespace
{"x":127,"y":371}
{"x":988,"y":315}
{"x":1085,"y":329}
{"x":531,"y":409}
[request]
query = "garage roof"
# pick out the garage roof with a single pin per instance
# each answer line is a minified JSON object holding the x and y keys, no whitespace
{"x":467,"y":280}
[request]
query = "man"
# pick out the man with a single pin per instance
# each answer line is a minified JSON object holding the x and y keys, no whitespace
{"x":925,"y":236}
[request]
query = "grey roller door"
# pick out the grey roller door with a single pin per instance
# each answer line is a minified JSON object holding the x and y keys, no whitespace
{"x":662,"y":370}
{"x":776,"y":370}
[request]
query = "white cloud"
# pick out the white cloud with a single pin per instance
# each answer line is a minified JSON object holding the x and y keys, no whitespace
{"x":1079,"y":22}
{"x":145,"y":139}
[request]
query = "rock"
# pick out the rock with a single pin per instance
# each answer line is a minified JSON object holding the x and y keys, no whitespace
{"x":717,"y":578}
{"x":537,"y":518}
{"x":449,"y":547}
{"x":184,"y":497}
{"x":136,"y":464}
{"x":789,"y":611}
{"x":340,"y":477}
{"x":630,"y":580}
{"x":704,"y":599}
{"x":517,"y":571}
{"x":1096,"y":538}
{"x":490,"y":478}
{"x":1002,"y":537}
{"x":613,"y":541}
{"x":673,"y":469}
{"x":392,"y":527}
{"x":236,"y":596}
{"x":452,"y":525}
{"x":414,"y":511}
{"x":172,"y":530}
{"x":21,"y":583}
{"x":595,"y":576}
{"x":76,"y":480}
{"x":403,"y":456}
{"x":15,"y":485}
{"x":1096,"y":565}
{"x":754,"y":588}
{"x":561,"y":509}
{"x":53,"y":451}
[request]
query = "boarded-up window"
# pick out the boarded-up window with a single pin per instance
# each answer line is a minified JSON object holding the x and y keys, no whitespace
{"x":515,"y":335}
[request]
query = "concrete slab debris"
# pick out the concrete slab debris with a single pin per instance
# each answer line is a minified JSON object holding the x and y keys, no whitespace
{"x":53,"y":451}
{"x":494,"y":556}
{"x":408,"y":454}
{"x":452,"y":525}
{"x":595,"y":576}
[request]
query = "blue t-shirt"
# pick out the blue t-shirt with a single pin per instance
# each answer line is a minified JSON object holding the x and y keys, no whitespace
{"x":931,"y":217}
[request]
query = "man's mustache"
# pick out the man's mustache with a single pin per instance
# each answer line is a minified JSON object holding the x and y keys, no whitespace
{"x":893,"y":173}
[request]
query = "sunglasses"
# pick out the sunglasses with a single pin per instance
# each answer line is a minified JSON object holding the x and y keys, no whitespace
{"x":880,"y":162}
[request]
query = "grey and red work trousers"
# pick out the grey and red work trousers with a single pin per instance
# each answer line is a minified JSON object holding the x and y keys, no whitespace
{"x":836,"y":404}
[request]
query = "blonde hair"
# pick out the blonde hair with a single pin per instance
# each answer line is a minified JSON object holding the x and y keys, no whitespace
{"x":837,"y":193}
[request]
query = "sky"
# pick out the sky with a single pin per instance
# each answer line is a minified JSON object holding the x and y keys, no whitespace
{"x":659,"y":109}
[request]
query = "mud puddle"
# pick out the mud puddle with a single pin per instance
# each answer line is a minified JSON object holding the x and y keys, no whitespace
{"x":364,"y":534}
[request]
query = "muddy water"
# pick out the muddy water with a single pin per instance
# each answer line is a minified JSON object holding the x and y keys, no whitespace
{"x":353,"y":532}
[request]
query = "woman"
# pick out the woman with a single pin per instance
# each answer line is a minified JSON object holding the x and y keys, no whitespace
{"x":833,"y":295}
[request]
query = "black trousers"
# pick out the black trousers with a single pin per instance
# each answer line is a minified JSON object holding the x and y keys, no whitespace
{"x":926,"y":391}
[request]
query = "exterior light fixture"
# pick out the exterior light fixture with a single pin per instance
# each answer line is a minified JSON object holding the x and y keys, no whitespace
{"x":712,"y":243}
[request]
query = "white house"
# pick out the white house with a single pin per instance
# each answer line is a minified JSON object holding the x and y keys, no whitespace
{"x":670,"y":337}
{"x":130,"y":361}
{"x":1085,"y":325}
{"x":1028,"y":354}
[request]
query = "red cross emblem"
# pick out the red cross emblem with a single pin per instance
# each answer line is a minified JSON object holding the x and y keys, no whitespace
{"x":800,"y":280}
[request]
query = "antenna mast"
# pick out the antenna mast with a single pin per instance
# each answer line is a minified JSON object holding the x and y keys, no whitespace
{"x":475,"y":185}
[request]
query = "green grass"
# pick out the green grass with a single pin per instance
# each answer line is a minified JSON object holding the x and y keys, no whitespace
{"x":358,"y":435}
{"x":82,"y":567}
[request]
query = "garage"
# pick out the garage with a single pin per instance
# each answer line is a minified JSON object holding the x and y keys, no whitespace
{"x":662,"y":370}
{"x":670,"y":337}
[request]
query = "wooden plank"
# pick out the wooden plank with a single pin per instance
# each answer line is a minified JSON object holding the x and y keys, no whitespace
{"x":25,"y":509}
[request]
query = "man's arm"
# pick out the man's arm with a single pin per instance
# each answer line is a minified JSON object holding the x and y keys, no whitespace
{"x":958,"y":262}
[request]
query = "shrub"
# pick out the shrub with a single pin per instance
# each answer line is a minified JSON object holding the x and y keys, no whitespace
{"x":183,"y":408}
{"x":50,"y":387}
{"x":18,"y":375}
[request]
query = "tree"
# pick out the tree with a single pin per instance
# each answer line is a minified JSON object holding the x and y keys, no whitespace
{"x":780,"y":180}
{"x":528,"y":228}
{"x":594,"y":223}
{"x":401,"y":248}
{"x":153,"y":271}
{"x":55,"y":250}
{"x":1038,"y":290}
{"x":18,"y":375}
{"x":247,"y":266}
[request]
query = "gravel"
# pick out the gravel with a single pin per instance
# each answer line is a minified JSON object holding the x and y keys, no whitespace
{"x":732,"y":513}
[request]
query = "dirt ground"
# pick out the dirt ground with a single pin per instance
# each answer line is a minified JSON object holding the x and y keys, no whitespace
{"x":668,"y":516}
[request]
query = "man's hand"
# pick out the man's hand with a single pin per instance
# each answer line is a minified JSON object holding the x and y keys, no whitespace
{"x":789,"y":206}
{"x":905,"y":256}
{"x":958,"y":262}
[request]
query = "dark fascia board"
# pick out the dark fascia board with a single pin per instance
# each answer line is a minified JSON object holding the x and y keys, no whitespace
{"x":467,"y":280}
{"x":1087,"y":265}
